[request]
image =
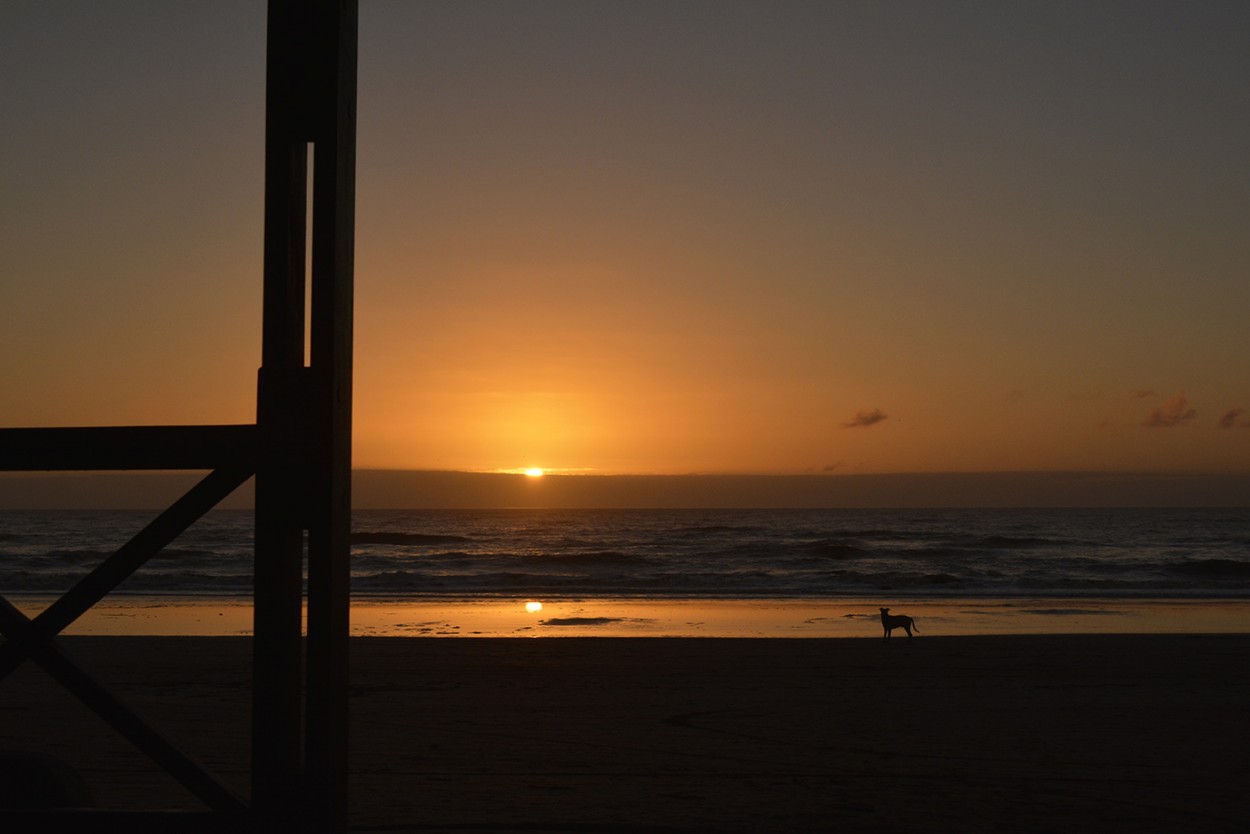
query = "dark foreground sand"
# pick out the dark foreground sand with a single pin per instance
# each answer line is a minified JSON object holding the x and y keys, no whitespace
{"x":1013,"y":734}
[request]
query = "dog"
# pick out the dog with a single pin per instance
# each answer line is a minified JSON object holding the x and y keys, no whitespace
{"x":892,"y":621}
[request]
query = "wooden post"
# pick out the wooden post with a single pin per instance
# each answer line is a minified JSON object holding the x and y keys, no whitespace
{"x":333,"y":255}
{"x":304,"y":415}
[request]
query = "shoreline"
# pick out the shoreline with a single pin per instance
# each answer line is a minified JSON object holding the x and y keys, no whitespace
{"x":146,"y":615}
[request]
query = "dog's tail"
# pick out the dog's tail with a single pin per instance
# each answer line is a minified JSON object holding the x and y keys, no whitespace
{"x":913,"y":624}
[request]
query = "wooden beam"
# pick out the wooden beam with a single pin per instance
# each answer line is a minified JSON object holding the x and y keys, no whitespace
{"x":100,"y":821}
{"x":128,"y":447}
{"x":333,"y":256}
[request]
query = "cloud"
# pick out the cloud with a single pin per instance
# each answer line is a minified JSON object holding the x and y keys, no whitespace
{"x":1142,"y":393}
{"x":1174,"y":412}
{"x":1233,"y":419}
{"x":864,"y":419}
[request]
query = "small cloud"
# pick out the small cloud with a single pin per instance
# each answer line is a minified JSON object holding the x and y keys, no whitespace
{"x":831,"y":467}
{"x":1174,"y":412}
{"x":864,"y":419}
{"x":1142,"y":393}
{"x":1234,"y":419}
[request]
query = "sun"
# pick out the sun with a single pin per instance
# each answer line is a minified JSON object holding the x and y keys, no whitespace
{"x":533,"y":472}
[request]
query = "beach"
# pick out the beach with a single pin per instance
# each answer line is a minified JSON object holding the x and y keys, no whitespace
{"x":209,"y":616}
{"x":959,"y":733}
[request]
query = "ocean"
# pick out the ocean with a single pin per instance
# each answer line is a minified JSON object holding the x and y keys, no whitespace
{"x":675,"y":555}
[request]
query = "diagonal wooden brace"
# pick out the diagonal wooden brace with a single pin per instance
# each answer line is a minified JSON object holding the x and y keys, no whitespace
{"x":23,"y":637}
{"x":120,"y":717}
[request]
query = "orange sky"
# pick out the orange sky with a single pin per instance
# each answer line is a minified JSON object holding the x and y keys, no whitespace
{"x":662,"y":238}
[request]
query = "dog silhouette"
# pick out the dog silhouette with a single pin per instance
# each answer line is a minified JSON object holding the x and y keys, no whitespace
{"x":889,"y":622}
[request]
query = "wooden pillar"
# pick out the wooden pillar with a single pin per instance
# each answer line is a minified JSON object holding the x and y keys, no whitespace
{"x":304,"y":415}
{"x":333,"y":254}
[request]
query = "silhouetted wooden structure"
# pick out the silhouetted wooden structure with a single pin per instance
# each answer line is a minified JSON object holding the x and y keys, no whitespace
{"x":299,"y":451}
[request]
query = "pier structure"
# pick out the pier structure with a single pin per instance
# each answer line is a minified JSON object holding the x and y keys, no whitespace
{"x":298,"y":450}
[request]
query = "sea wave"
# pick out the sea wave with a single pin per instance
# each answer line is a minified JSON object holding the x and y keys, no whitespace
{"x":382,"y":537}
{"x":672,"y":554}
{"x":1214,"y":569}
{"x":837,"y":550}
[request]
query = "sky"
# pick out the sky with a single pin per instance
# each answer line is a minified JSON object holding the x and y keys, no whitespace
{"x":772,"y":238}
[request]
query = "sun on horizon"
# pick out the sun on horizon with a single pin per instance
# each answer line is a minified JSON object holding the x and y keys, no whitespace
{"x":534,"y":472}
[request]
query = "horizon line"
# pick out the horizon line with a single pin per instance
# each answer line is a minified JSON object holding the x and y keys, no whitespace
{"x":458,"y":489}
{"x":559,"y":472}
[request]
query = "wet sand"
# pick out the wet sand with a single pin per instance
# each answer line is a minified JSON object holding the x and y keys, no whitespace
{"x":628,"y":617}
{"x":974,"y":733}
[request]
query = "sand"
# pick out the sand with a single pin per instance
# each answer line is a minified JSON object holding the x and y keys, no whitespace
{"x":212,"y":616}
{"x":991,"y":733}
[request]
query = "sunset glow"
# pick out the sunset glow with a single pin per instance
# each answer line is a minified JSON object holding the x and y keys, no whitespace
{"x":885,"y":238}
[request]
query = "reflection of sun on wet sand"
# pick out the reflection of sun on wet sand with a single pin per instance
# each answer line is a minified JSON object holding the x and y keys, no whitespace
{"x":943,"y":734}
